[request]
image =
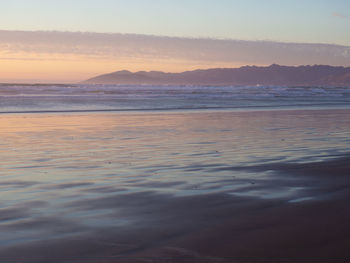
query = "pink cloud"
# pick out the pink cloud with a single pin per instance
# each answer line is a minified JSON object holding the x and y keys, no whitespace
{"x":125,"y":46}
{"x":340,"y":15}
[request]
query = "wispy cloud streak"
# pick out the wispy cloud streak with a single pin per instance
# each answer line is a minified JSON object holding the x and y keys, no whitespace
{"x":129,"y":46}
{"x":340,"y":15}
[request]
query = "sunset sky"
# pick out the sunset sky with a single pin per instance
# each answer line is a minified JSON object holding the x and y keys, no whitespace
{"x":72,"y":40}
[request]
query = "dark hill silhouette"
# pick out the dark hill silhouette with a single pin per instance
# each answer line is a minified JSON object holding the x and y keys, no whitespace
{"x":320,"y":75}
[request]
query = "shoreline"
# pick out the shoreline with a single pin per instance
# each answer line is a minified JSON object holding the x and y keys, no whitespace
{"x":186,"y":110}
{"x":194,"y":186}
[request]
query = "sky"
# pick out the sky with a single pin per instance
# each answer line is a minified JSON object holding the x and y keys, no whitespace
{"x":71,"y":40}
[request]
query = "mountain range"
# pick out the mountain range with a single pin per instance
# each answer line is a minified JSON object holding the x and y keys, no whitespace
{"x":316,"y":75}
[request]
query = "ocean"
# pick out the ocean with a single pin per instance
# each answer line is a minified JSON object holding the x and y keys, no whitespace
{"x":60,"y":98}
{"x":103,"y":173}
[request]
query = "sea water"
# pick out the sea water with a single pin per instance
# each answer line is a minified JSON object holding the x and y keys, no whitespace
{"x":41,"y":98}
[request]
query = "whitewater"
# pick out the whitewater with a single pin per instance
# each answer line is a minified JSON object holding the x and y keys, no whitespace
{"x":30,"y":98}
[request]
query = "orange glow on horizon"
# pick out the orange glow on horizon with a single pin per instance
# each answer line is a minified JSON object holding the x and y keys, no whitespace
{"x":72,"y":68}
{"x":55,"y":56}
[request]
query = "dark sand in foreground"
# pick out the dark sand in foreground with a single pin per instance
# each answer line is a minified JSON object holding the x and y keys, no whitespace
{"x":309,"y":225}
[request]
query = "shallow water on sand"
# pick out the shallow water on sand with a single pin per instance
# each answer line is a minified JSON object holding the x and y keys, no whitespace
{"x":66,"y":175}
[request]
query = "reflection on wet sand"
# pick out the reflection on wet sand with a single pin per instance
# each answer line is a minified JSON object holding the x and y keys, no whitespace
{"x":269,"y":186}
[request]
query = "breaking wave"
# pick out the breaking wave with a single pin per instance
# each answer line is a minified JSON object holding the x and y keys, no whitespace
{"x":58,"y":98}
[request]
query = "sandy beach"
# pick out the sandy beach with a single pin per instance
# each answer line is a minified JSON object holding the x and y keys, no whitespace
{"x":195,"y":186}
{"x":174,"y":131}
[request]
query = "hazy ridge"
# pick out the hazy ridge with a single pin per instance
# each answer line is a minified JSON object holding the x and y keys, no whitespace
{"x":319,"y":75}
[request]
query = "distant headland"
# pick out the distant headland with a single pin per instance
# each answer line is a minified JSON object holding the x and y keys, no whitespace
{"x":319,"y":75}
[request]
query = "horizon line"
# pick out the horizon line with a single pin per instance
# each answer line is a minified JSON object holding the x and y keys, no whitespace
{"x":44,"y":82}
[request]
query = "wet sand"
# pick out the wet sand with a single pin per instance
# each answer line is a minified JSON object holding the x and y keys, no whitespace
{"x":190,"y":187}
